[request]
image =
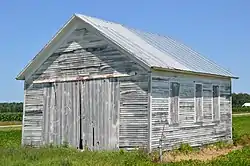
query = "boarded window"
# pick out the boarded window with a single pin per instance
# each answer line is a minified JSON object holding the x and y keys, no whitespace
{"x":186,"y":103}
{"x":207,"y":101}
{"x":216,"y":112}
{"x":198,"y":102}
{"x":174,"y":103}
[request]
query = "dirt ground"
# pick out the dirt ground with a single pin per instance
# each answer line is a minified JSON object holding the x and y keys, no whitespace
{"x":10,"y":123}
{"x":202,"y":155}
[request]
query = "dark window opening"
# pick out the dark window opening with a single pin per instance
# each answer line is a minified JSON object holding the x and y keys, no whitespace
{"x":216,"y":111}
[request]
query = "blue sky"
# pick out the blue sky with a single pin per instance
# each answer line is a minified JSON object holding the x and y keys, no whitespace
{"x":220,"y":30}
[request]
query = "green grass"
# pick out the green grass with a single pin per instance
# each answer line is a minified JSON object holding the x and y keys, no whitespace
{"x":241,"y":110}
{"x":241,"y":124}
{"x":68,"y":157}
{"x":11,"y":154}
{"x":10,"y":137}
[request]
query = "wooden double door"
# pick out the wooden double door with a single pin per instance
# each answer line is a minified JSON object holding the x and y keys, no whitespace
{"x":83,"y":114}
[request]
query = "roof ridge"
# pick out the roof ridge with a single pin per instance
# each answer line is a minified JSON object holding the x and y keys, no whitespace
{"x":102,"y":19}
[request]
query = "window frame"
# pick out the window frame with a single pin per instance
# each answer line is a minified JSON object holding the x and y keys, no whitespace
{"x":178,"y":108}
{"x":202,"y":114}
{"x":214,"y":119}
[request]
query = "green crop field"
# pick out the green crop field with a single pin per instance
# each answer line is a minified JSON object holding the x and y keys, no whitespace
{"x":12,"y":154}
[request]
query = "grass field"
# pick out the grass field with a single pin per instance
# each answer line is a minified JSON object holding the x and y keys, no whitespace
{"x":10,"y":137}
{"x":242,"y":124}
{"x":12,"y":154}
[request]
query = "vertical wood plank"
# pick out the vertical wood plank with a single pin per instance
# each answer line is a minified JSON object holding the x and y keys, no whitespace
{"x":63,"y":139}
{"x":78,"y":90}
{"x":118,"y":113}
{"x":59,"y":107}
{"x":45,"y":116}
{"x":150,"y":112}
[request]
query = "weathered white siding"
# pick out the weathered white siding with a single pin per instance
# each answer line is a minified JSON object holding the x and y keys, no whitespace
{"x":32,"y":127}
{"x":189,"y":128}
{"x":100,"y":114}
{"x":182,"y":107}
{"x":61,"y":114}
{"x":85,"y":53}
{"x":134,"y":112}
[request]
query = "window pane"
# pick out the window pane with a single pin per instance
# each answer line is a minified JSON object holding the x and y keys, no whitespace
{"x":216,"y":102}
{"x":198,"y":101}
{"x":174,"y":91}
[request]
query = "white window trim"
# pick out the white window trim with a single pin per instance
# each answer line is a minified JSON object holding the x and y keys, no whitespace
{"x":198,"y":83}
{"x":213,"y":102}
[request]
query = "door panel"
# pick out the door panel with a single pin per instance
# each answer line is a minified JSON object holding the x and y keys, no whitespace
{"x":92,"y":104}
{"x":61,"y":114}
{"x":100,"y":106}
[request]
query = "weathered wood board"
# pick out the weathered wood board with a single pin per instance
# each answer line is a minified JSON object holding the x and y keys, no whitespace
{"x":85,"y":53}
{"x":198,"y":114}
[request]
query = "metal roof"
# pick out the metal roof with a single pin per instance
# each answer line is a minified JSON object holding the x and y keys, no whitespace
{"x":150,"y":49}
{"x":155,"y":50}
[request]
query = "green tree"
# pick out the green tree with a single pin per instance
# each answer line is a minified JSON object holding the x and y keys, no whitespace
{"x":11,"y":107}
{"x":239,"y":99}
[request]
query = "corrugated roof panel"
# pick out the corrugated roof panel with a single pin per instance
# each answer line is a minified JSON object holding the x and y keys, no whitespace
{"x":183,"y":54}
{"x":156,"y":50}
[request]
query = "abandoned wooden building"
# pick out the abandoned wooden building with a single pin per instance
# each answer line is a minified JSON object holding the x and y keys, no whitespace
{"x":102,"y":85}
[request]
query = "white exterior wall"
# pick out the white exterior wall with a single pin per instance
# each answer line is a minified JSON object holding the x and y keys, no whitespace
{"x":188,"y":129}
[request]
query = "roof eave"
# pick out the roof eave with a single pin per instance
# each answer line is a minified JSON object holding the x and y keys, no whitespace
{"x":192,"y":72}
{"x":20,"y":77}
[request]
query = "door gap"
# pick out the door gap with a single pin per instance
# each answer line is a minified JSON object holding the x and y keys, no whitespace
{"x":80,"y":114}
{"x":93,"y":136}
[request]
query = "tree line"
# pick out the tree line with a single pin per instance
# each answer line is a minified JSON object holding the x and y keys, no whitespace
{"x":11,"y":107}
{"x":238,"y":99}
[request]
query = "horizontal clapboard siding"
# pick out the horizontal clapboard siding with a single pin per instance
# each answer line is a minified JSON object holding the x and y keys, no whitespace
{"x":188,"y":130}
{"x":133,"y":112}
{"x":88,"y":54}
{"x":160,"y":108}
{"x":32,"y":122}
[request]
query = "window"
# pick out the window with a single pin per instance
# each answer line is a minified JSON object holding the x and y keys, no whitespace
{"x":174,"y":101}
{"x":198,"y":102}
{"x":186,"y":103}
{"x":216,"y":103}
